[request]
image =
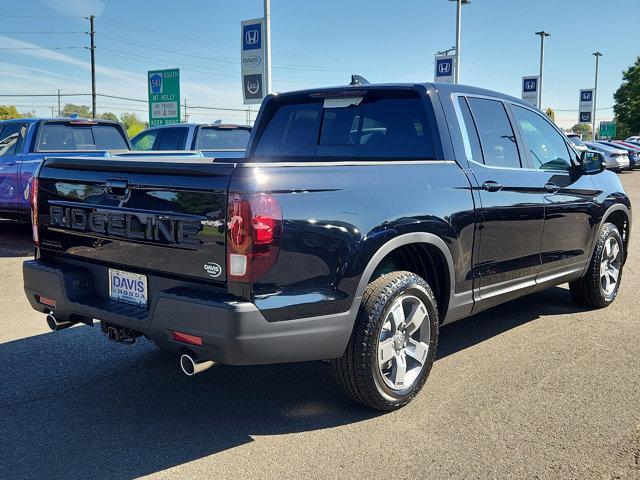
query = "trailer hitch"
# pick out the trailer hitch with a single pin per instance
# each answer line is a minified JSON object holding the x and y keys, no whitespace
{"x":119,"y":334}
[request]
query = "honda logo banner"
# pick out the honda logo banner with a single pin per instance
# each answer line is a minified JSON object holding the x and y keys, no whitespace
{"x":444,"y":68}
{"x":585,"y":106}
{"x":530,"y":89}
{"x":252,"y":70}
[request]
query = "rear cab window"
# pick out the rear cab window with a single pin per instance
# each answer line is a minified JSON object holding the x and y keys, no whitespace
{"x":370,"y":125}
{"x":222,"y":138}
{"x":78,"y":136}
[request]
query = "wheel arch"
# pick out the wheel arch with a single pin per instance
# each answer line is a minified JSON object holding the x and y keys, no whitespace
{"x":620,"y":215}
{"x":429,"y":243}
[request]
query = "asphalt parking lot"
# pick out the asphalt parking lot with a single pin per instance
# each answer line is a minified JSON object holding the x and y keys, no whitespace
{"x":537,"y":388}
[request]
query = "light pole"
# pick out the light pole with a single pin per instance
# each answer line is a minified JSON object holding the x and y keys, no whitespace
{"x":595,"y":97}
{"x":267,"y":46}
{"x":456,"y":71}
{"x":542,"y":34}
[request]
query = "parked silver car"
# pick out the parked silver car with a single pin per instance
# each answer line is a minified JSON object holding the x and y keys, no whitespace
{"x":615,"y":159}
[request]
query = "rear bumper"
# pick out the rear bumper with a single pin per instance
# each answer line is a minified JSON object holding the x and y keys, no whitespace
{"x":233,"y":332}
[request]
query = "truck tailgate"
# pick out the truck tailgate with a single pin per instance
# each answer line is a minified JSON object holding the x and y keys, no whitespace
{"x":161,"y":215}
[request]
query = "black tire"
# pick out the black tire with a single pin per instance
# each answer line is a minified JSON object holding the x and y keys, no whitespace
{"x":588,"y":290}
{"x":357,"y":370}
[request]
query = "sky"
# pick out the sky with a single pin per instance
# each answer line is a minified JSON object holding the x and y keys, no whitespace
{"x":314,"y":44}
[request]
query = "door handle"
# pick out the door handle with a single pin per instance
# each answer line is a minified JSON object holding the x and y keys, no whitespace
{"x":491,"y":186}
{"x":551,"y":187}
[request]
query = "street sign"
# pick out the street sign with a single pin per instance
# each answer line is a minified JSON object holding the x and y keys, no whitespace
{"x":607,"y":129}
{"x":585,"y":106}
{"x":252,"y":59}
{"x":530,"y":89}
{"x":445,"y":66}
{"x":164,"y":96}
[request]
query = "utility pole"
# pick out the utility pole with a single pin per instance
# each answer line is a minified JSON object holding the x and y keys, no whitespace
{"x":59,"y":102}
{"x":456,"y":70}
{"x":542,"y":34}
{"x":267,"y":46}
{"x":52,"y":111}
{"x":184,"y":105}
{"x":93,"y":65}
{"x":595,"y":97}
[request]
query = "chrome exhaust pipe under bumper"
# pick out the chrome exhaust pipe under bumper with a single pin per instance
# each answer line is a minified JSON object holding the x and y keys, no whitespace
{"x":55,"y":324}
{"x":192,"y":365}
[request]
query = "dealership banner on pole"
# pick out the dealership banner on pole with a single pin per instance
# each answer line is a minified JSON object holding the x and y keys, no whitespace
{"x":164,"y":96}
{"x":585,"y":106}
{"x":530,"y":89}
{"x":252,"y":59}
{"x":445,"y":66}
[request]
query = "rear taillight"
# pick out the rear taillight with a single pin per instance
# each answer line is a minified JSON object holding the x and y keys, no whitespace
{"x":33,"y":199}
{"x":254,"y":231}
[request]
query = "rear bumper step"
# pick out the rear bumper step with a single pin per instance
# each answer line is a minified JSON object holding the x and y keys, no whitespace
{"x":233,"y":332}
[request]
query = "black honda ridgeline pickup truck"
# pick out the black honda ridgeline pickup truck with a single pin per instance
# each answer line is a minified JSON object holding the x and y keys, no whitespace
{"x":362,"y":219}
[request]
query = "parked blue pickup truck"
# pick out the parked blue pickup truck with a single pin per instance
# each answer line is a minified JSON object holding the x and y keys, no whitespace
{"x":218,"y":140}
{"x":25,"y":142}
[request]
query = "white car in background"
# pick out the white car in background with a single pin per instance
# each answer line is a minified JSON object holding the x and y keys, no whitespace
{"x":615,"y":159}
{"x":635,"y":139}
{"x":576,"y":139}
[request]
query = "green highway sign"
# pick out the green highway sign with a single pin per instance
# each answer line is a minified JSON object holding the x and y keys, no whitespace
{"x":164,"y":96}
{"x":607,"y":129}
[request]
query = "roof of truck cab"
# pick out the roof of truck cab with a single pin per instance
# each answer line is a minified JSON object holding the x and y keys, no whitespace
{"x":57,"y":119}
{"x":442,"y":88}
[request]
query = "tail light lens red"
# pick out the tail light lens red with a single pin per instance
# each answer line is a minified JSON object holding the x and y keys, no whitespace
{"x":254,"y":232}
{"x":33,"y":199}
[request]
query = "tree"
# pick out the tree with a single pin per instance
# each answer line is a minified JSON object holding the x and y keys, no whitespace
{"x":132,"y":124}
{"x":627,"y":98}
{"x":108,"y":116}
{"x":80,"y":110}
{"x":551,"y":114}
{"x":8,"y":112}
{"x":583,"y":129}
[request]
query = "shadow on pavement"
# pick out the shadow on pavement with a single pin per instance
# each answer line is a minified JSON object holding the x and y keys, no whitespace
{"x":73,"y":405}
{"x":15,"y":239}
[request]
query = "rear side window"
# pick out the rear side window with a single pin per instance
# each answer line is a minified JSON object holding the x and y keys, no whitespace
{"x":373,"y":126}
{"x":214,"y":138}
{"x":470,"y":133}
{"x":171,"y":138}
{"x":69,"y":137}
{"x":498,"y":141}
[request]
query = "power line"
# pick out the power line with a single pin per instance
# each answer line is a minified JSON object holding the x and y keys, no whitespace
{"x":39,"y":48}
{"x":38,"y":16}
{"x":36,"y":33}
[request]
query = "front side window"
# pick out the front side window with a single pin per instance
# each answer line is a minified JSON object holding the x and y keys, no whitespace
{"x":497,"y":138}
{"x":546,"y":148}
{"x":9,"y":139}
{"x":144,"y":141}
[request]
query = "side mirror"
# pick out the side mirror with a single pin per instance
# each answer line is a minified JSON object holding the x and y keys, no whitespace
{"x":592,"y":162}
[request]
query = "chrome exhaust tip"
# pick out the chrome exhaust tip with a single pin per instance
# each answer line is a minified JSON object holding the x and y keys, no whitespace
{"x":55,"y":324}
{"x":191,"y":365}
